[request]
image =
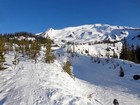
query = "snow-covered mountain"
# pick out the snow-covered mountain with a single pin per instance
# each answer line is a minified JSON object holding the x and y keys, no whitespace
{"x":96,"y":78}
{"x":93,"y":33}
{"x":97,"y":36}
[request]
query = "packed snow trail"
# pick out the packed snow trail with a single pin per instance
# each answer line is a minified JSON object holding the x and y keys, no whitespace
{"x":22,"y":86}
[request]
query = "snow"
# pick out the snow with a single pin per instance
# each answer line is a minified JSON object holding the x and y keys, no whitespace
{"x":38,"y":84}
{"x":24,"y":38}
{"x":94,"y":32}
{"x":93,"y":83}
{"x":104,"y":81}
{"x":48,"y":84}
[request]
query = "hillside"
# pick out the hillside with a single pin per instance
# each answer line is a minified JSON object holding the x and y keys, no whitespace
{"x":31,"y":75}
{"x":48,"y":84}
{"x":96,"y":38}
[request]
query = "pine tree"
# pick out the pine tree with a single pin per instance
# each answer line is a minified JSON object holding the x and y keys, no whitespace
{"x":27,"y":48}
{"x":123,"y":54}
{"x":130,"y":52}
{"x":22,"y":47}
{"x":121,"y":72}
{"x":114,"y":54}
{"x":16,"y":55}
{"x":16,"y":61}
{"x":34,"y":50}
{"x":2,"y":58}
{"x":134,"y":54}
{"x":67,"y":67}
{"x":9,"y":45}
{"x":49,"y":56}
{"x":138,"y":53}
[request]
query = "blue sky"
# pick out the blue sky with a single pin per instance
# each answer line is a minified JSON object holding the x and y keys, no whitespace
{"x":38,"y":15}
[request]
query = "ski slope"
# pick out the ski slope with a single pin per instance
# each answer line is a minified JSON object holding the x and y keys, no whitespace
{"x":39,"y":84}
{"x":47,"y":84}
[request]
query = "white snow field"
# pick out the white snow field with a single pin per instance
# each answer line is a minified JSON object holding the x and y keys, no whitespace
{"x":96,"y":81}
{"x":40,"y":84}
{"x":48,"y":84}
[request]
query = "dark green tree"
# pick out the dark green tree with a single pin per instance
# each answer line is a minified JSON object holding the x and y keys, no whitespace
{"x":124,"y":52}
{"x":67,"y":67}
{"x":34,"y":50}
{"x":114,"y":54}
{"x":16,"y":60}
{"x":121,"y":72}
{"x":9,"y":45}
{"x":133,"y":54}
{"x":2,"y":52}
{"x":49,"y":56}
{"x":138,"y":53}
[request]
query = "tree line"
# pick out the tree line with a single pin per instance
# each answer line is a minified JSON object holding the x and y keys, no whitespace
{"x":130,"y":52}
{"x":25,"y":48}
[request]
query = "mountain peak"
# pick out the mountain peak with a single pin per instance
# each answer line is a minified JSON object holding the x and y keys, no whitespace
{"x":94,"y":32}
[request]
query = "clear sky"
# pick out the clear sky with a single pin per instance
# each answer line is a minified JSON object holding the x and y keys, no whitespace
{"x":38,"y":15}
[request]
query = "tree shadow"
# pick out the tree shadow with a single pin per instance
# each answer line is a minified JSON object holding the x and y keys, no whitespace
{"x":3,"y":101}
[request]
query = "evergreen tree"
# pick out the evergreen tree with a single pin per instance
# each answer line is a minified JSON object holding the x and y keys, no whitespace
{"x":49,"y":56}
{"x":121,"y":72}
{"x":138,"y":53}
{"x":133,"y":54}
{"x":123,"y":54}
{"x":21,"y":44}
{"x":114,"y":54}
{"x":16,"y":61}
{"x":27,"y":48}
{"x":67,"y":67}
{"x":2,"y":58}
{"x":130,"y":52}
{"x":8,"y":45}
{"x":34,"y":50}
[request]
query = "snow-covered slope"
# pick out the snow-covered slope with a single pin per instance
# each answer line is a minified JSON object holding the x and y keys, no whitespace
{"x":105,"y":76}
{"x":47,"y":84}
{"x":96,"y":38}
{"x":96,"y":78}
{"x":40,"y":84}
{"x":92,"y":33}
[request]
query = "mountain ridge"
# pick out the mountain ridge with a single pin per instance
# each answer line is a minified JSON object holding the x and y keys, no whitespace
{"x":92,"y":33}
